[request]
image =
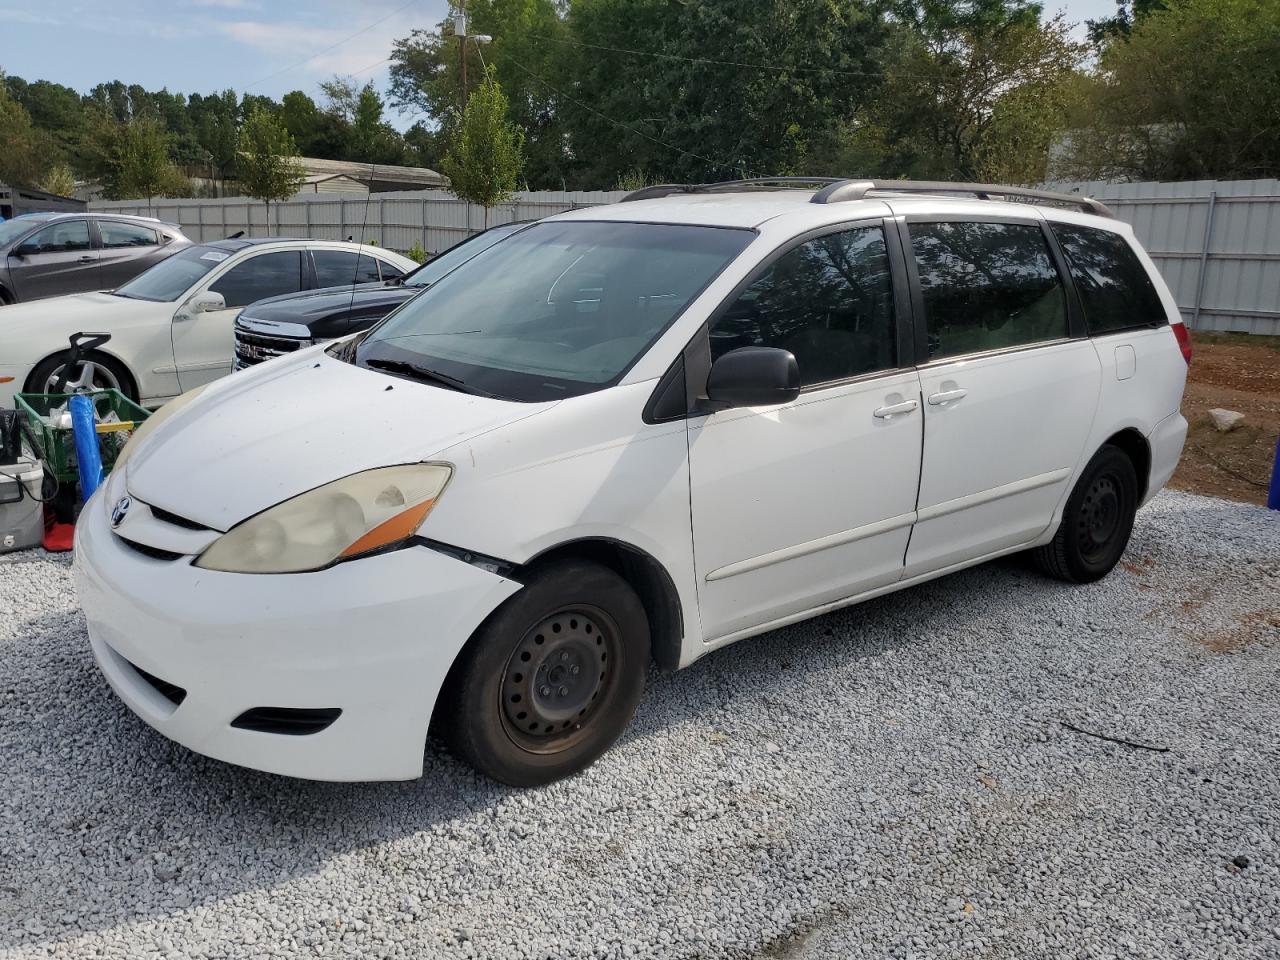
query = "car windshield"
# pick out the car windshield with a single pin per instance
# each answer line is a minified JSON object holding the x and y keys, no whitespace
{"x":459,"y":254}
{"x":558,"y":309}
{"x":11,"y":230}
{"x":170,"y":279}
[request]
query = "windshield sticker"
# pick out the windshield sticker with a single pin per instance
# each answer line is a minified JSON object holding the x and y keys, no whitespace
{"x":217,"y":256}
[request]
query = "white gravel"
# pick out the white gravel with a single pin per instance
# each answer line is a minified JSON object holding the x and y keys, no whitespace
{"x":889,"y":781}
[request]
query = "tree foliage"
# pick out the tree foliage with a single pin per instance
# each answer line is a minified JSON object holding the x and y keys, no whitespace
{"x":487,"y":153}
{"x":21,"y":161}
{"x":133,"y":160}
{"x":268,"y":168}
{"x":1191,"y":93}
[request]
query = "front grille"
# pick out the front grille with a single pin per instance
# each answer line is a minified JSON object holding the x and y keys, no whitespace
{"x":176,"y":520}
{"x":253,"y":348}
{"x":289,"y":721}
{"x":155,"y":553}
{"x":170,"y":691}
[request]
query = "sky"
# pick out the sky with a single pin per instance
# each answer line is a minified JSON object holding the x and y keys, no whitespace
{"x":258,"y":46}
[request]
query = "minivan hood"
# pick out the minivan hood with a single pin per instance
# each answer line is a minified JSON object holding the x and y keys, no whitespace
{"x":257,"y":438}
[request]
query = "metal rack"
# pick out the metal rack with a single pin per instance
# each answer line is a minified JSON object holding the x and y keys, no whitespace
{"x":835,"y":190}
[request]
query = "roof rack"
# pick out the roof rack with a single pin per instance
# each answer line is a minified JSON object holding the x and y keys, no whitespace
{"x":858,"y":189}
{"x":836,"y":190}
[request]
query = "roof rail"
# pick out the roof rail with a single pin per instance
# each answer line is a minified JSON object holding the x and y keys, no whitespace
{"x":859,"y":189}
{"x":754,"y":183}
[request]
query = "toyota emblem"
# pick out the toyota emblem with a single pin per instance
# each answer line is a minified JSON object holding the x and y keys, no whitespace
{"x":119,"y":510}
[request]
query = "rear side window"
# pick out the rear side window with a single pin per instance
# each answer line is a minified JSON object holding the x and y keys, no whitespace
{"x":1113,"y":284}
{"x":829,"y":301}
{"x":389,"y":270}
{"x":266,"y":275}
{"x":115,"y":235}
{"x":337,"y":268}
{"x":987,"y":286}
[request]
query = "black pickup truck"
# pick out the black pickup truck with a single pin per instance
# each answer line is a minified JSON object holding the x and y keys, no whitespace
{"x":279,"y":325}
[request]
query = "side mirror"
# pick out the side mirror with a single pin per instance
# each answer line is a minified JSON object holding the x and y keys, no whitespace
{"x":206,"y":302}
{"x":754,"y":377}
{"x":24,"y":250}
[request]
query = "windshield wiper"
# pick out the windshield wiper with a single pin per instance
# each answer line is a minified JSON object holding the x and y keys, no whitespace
{"x":427,"y":376}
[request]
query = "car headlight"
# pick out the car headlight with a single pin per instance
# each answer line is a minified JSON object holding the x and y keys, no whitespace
{"x":349,"y":517}
{"x":153,"y":421}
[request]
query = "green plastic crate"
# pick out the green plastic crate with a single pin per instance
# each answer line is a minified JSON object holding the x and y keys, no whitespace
{"x":58,"y":445}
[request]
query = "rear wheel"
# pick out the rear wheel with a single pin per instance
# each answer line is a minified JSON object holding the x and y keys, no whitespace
{"x":1096,"y":523}
{"x":552,"y":678}
{"x":97,"y":371}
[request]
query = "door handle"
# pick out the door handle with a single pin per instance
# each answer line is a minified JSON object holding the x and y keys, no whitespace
{"x":893,"y":409}
{"x":946,"y":396}
{"x":87,"y":259}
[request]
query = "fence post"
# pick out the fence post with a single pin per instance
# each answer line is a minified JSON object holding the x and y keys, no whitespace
{"x":307,"y":207}
{"x":1204,"y":259}
{"x":200,"y":222}
{"x":342,"y":219}
{"x":424,"y":224}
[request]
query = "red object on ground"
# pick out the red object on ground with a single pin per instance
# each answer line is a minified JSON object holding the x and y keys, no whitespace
{"x":58,"y":537}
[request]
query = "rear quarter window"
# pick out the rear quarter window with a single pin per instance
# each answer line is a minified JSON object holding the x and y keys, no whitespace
{"x":1116,"y":291}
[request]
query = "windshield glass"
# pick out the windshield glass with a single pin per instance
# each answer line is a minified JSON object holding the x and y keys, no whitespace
{"x":11,"y":230}
{"x":459,"y":254}
{"x":556,"y":310}
{"x":170,"y":279}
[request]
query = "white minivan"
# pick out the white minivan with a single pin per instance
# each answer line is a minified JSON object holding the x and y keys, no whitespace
{"x":627,"y":434}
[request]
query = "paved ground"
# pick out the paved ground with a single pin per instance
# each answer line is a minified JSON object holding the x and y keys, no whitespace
{"x":894,"y":780}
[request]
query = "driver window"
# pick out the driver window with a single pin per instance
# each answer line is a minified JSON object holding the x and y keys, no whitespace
{"x":829,"y":301}
{"x":266,"y":275}
{"x":65,"y":237}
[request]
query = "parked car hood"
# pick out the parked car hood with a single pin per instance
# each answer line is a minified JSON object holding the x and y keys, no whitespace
{"x":256,"y":439}
{"x":25,"y":328}
{"x":366,"y":299}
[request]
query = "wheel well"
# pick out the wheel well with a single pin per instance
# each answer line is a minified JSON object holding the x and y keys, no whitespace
{"x":130,"y":382}
{"x":647,"y":577}
{"x":1138,"y":451}
{"x":5,"y":296}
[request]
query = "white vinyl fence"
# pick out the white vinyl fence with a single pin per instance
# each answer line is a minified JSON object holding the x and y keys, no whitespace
{"x":1217,"y":243}
{"x":431,"y":218}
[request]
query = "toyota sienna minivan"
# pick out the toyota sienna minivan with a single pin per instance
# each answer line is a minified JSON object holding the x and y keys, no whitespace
{"x":627,"y":434}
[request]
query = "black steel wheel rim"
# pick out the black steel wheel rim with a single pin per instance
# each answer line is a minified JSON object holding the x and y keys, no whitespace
{"x":1101,"y":516}
{"x":558,"y":677}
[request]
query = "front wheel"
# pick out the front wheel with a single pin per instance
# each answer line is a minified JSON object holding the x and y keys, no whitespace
{"x":1096,"y":523}
{"x":552,"y":678}
{"x":96,"y":371}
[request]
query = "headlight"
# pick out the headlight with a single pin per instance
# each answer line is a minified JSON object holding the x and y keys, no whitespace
{"x":346,"y":518}
{"x":153,"y":421}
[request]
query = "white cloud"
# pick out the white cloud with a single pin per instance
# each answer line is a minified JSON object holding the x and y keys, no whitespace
{"x":23,"y":16}
{"x":226,"y":4}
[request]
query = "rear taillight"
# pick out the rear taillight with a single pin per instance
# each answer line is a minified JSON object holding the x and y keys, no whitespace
{"x":1184,"y":340}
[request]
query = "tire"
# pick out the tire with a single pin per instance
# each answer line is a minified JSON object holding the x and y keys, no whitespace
{"x":6,"y":298}
{"x":525,"y":704}
{"x":107,"y":372}
{"x":1096,"y":523}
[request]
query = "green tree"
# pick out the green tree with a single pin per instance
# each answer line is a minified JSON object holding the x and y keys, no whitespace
{"x":267,"y":164}
{"x":972,"y":92}
{"x":1189,"y":94}
{"x":485,"y":158}
{"x":22,"y":159}
{"x":133,"y":161}
{"x":60,"y":180}
{"x":217,"y":127}
{"x":532,"y":57}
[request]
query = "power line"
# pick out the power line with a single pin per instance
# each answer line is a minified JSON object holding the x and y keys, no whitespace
{"x":334,"y":46}
{"x":618,"y":123}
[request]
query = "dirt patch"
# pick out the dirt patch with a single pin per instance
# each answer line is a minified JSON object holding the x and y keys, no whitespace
{"x":1238,"y":372}
{"x":1250,"y":628}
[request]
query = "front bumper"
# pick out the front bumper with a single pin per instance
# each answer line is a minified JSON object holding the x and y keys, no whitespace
{"x":374,"y":637}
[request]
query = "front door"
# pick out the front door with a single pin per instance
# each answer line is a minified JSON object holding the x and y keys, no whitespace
{"x":1010,"y":392}
{"x":811,"y":502}
{"x":204,"y":343}
{"x":55,"y":261}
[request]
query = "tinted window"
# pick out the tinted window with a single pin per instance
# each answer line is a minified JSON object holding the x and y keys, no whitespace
{"x":63,"y":237}
{"x":987,"y":286}
{"x":829,"y":301}
{"x":337,"y":268}
{"x":266,"y":275}
{"x":558,"y":309}
{"x":459,"y":253}
{"x":11,"y":230}
{"x":170,"y":279}
{"x":1115,"y":287}
{"x":116,"y":234}
{"x":389,"y":270}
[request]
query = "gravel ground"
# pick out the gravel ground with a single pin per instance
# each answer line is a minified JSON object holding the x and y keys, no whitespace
{"x":894,"y":780}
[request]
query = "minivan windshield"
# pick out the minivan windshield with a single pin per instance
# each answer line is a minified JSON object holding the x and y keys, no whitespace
{"x":170,"y":279}
{"x":458,"y":254}
{"x":558,"y":309}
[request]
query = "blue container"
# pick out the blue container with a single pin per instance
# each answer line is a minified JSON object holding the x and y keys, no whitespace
{"x":88,"y":456}
{"x":1273,"y":495}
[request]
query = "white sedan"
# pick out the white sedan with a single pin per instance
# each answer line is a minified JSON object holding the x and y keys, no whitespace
{"x":171,"y":327}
